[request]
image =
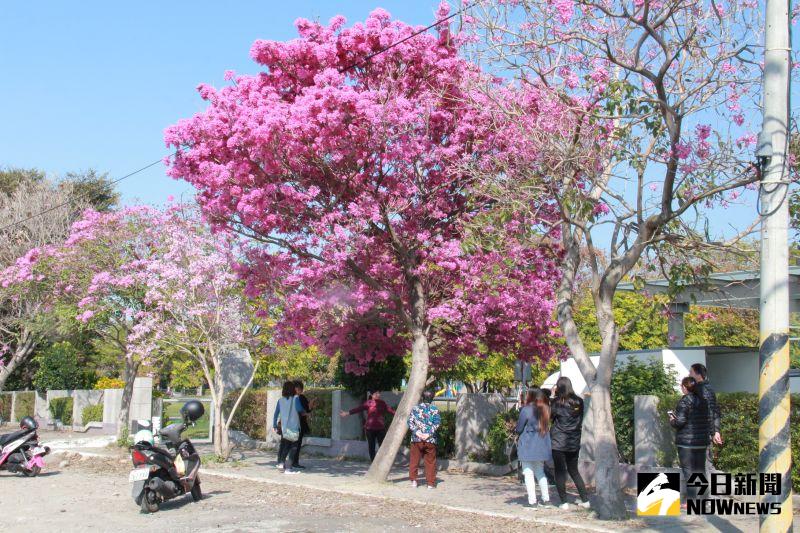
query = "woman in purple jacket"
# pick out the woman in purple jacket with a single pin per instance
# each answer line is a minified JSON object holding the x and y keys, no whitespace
{"x":375,"y":425}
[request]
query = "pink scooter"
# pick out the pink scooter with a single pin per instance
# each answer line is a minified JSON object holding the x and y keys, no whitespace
{"x":21,"y":451}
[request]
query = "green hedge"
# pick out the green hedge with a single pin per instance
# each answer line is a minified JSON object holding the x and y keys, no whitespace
{"x":445,"y":435}
{"x":5,"y":407}
{"x":739,"y":453}
{"x":500,"y":436}
{"x":251,"y":415}
{"x":321,"y":403}
{"x":61,"y":409}
{"x":24,"y":405}
{"x":92,"y":413}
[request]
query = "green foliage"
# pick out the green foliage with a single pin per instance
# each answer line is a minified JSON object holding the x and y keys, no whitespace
{"x":109,"y":383}
{"x":705,"y":326}
{"x":739,"y":453}
{"x":446,"y":447}
{"x":321,"y":403}
{"x":251,"y":415}
{"x":24,"y":404}
{"x":5,"y":407}
{"x":11,"y":178}
{"x":649,"y":329}
{"x":60,"y":369}
{"x":708,"y":326}
{"x":295,"y":362}
{"x":61,"y":409}
{"x":631,"y":379}
{"x":185,"y":374}
{"x":500,"y":436}
{"x":94,"y":188}
{"x":384,"y":375}
{"x":92,"y":413}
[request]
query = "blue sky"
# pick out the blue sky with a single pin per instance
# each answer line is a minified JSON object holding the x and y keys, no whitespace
{"x":94,"y":84}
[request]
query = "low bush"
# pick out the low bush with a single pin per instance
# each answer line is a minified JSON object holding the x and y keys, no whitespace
{"x":739,"y":453}
{"x":321,"y":403}
{"x":445,"y":436}
{"x":500,"y":437}
{"x":109,"y":383}
{"x":24,"y":404}
{"x":61,"y":409}
{"x":92,"y":413}
{"x":5,"y":407}
{"x":632,"y":379}
{"x":251,"y":415}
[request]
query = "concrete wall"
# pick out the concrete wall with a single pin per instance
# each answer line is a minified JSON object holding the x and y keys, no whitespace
{"x":794,"y":384}
{"x":142,"y":399}
{"x":273,"y":395}
{"x":474,"y":415}
{"x":237,"y":367}
{"x":82,"y":399}
{"x":733,"y":372}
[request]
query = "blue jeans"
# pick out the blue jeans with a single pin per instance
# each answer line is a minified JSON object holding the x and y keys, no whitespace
{"x":533,"y":472}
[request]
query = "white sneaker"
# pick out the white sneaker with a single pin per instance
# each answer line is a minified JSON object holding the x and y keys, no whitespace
{"x":585,"y":505}
{"x":564,"y":506}
{"x":291,"y":472}
{"x":431,"y":487}
{"x":413,"y":484}
{"x":279,"y":466}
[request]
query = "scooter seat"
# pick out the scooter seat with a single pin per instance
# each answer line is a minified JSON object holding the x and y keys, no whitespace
{"x":10,"y":437}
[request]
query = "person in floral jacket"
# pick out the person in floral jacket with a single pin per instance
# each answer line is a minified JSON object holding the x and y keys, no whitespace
{"x":423,"y":423}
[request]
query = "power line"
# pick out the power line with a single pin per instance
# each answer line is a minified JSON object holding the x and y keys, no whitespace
{"x":78,"y":196}
{"x":362,"y":61}
{"x":401,"y":41}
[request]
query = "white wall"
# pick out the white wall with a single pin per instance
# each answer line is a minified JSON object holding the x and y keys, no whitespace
{"x":794,"y":385}
{"x":681,"y":360}
{"x":733,"y":372}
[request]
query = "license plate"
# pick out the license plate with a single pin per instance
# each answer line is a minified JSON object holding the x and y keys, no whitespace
{"x":38,"y":451}
{"x":140,"y":474}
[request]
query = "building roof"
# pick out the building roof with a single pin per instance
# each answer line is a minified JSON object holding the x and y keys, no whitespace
{"x":740,"y":289}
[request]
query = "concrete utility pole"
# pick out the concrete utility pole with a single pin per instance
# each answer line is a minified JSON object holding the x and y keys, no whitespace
{"x":774,"y":442}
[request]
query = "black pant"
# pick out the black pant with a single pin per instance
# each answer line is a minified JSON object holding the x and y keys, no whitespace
{"x":296,"y":449}
{"x":693,"y":460}
{"x":286,"y":451}
{"x":373,"y":436}
{"x":565,"y":462}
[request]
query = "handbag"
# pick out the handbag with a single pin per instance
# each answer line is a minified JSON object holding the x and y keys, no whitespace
{"x":292,"y":435}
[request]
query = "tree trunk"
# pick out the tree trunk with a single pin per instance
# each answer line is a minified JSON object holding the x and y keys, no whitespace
{"x":222,"y":445}
{"x":382,"y":465}
{"x":610,"y":504}
{"x":23,"y":351}
{"x":124,"y":417}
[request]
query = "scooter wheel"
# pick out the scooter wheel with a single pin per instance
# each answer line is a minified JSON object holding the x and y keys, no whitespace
{"x":33,"y":472}
{"x":197,"y":494}
{"x":147,"y":505}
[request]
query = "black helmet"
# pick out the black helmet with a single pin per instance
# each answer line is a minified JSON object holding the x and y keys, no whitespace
{"x":28,"y":423}
{"x":192,"y":410}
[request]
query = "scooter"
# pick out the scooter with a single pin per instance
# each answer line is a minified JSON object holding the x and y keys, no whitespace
{"x":160,"y":474}
{"x":21,"y":452}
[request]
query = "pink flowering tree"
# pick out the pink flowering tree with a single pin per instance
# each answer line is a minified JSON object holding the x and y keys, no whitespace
{"x":347,"y":172}
{"x":653,"y":101}
{"x":198,"y":307}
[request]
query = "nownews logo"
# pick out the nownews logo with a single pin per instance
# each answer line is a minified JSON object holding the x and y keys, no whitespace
{"x":659,"y":494}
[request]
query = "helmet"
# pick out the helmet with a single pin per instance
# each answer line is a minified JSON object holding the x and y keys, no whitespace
{"x":192,"y":410}
{"x":143,"y":435}
{"x":28,"y":423}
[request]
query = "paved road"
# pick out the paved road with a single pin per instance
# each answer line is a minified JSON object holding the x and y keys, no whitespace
{"x":93,"y":495}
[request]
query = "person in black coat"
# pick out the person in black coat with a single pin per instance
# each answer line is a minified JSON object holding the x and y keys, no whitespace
{"x":566,"y":416}
{"x":692,"y":436}
{"x":700,"y":374}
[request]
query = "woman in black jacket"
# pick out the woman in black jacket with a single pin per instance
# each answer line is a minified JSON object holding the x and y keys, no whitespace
{"x":690,"y":419}
{"x":566,"y":416}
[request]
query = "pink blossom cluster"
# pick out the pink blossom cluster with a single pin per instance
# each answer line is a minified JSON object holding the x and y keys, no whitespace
{"x":355,"y":183}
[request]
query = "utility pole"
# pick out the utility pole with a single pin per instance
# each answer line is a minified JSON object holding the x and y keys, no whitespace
{"x":774,"y":442}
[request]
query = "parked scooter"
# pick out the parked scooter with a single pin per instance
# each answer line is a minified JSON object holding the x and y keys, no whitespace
{"x":21,"y":451}
{"x":161,"y":474}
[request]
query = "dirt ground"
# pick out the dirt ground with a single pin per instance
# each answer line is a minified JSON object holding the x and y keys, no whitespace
{"x":93,"y":494}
